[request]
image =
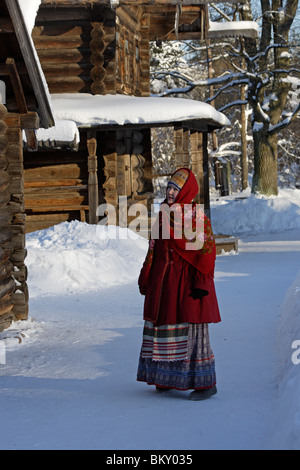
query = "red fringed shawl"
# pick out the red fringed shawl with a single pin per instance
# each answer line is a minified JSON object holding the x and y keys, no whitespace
{"x":177,"y":218}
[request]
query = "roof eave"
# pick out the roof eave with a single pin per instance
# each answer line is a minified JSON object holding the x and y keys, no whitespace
{"x":29,"y":55}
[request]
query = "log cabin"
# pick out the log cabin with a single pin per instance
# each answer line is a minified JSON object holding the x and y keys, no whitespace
{"x":58,"y":163}
{"x":24,"y":107}
{"x":102,"y":48}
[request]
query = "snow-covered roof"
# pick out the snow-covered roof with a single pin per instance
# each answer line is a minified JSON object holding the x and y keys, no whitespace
{"x":102,"y":110}
{"x":247,"y":29}
{"x":64,"y":135}
{"x":83,"y":110}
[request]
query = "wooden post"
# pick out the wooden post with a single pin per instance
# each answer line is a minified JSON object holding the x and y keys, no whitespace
{"x":32,"y":143}
{"x":182,"y":150}
{"x":17,"y":226}
{"x":205,"y":175}
{"x":7,"y":284}
{"x":98,"y":72}
{"x":197,"y":163}
{"x":93,"y":178}
{"x":244,"y":158}
{"x":13,"y":271}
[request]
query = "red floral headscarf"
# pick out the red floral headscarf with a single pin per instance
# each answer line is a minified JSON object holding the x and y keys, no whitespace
{"x":188,"y":213}
{"x":202,"y":258}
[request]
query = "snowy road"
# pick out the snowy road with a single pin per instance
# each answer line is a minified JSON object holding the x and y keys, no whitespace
{"x":70,"y":384}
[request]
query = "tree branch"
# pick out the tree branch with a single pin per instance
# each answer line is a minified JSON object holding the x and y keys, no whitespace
{"x":285,"y":123}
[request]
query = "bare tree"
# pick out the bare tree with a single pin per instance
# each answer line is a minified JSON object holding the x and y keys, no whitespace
{"x":265,"y":67}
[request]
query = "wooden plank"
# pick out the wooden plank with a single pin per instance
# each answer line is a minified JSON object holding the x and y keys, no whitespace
{"x":197,"y":163}
{"x":56,"y":201}
{"x":17,"y":86}
{"x":7,"y":287}
{"x":45,"y":223}
{"x":65,"y":42}
{"x":206,"y":174}
{"x":21,"y":101}
{"x":93,"y":178}
{"x":6,"y":270}
{"x":5,"y":217}
{"x":4,"y":198}
{"x":3,"y":312}
{"x":61,"y":29}
{"x":6,"y":250}
{"x":3,"y":162}
{"x":30,"y":120}
{"x":63,"y":69}
{"x":39,"y":190}
{"x":63,"y":208}
{"x":64,"y":55}
{"x":151,"y":3}
{"x":54,"y":172}
{"x":54,"y":183}
{"x":4,"y":180}
{"x":34,"y":72}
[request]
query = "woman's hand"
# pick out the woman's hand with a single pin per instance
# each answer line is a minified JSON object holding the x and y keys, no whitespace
{"x":199,"y":293}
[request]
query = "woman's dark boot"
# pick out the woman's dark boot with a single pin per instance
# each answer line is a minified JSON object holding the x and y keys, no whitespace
{"x":198,"y":395}
{"x":162,"y":389}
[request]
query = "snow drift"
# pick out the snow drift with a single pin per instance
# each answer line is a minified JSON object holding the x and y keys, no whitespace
{"x":76,"y":257}
{"x":255,"y":213}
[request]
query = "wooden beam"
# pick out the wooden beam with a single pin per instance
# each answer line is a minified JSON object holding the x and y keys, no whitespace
{"x":17,"y":85}
{"x":32,"y":143}
{"x":172,"y":2}
{"x":85,"y":3}
{"x":93,"y":178}
{"x":32,"y":65}
{"x":6,"y":25}
{"x":197,"y":163}
{"x":206,"y":175}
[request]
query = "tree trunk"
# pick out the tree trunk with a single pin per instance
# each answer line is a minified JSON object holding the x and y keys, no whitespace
{"x":265,"y":164}
{"x":244,"y":156}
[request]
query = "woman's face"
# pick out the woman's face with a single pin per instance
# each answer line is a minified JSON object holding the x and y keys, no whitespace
{"x":172,"y":193}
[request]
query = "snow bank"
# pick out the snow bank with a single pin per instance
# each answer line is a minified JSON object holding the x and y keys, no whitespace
{"x":255,"y":213}
{"x":90,"y":257}
{"x":76,"y":257}
{"x":286,"y":430}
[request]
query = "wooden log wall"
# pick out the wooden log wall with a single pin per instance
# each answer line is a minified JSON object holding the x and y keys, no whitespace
{"x":62,"y":185}
{"x":132,"y":52}
{"x":123,"y":157}
{"x":56,"y":187}
{"x":191,"y":152}
{"x":77,"y":49}
{"x":13,"y":272}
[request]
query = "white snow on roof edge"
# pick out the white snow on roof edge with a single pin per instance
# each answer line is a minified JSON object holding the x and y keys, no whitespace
{"x":95,"y":110}
{"x":29,"y":9}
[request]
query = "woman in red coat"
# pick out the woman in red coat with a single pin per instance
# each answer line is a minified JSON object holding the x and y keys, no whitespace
{"x":177,"y":279}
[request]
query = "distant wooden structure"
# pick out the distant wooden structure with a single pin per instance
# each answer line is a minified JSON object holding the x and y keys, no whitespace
{"x":25,"y":95}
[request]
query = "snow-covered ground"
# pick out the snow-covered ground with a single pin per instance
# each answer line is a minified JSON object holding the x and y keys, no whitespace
{"x":69,"y":377}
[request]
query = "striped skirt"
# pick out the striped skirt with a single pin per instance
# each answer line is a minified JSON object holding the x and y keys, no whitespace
{"x":177,"y":356}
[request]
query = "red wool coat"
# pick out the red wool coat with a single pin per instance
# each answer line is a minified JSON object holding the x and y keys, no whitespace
{"x":172,"y":272}
{"x":169,"y":290}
